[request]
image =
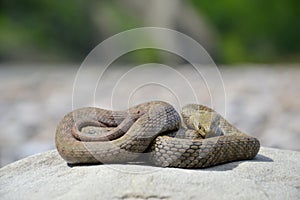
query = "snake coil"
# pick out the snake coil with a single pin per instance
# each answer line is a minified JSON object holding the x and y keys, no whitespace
{"x":203,"y":138}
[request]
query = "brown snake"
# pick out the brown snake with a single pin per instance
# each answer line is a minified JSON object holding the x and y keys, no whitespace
{"x":202,"y":139}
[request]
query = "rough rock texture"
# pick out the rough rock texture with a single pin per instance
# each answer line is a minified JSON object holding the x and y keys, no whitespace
{"x":273,"y":174}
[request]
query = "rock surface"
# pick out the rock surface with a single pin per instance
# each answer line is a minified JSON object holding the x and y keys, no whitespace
{"x":273,"y":174}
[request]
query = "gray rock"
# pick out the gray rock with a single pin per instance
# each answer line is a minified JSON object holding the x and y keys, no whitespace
{"x":273,"y":174}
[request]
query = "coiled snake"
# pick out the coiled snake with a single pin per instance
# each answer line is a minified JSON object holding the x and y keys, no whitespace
{"x":202,"y":139}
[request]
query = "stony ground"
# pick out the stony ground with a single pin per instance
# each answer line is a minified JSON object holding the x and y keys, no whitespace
{"x":273,"y":174}
{"x":262,"y":101}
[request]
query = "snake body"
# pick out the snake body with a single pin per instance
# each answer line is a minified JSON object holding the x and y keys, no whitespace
{"x":202,"y":139}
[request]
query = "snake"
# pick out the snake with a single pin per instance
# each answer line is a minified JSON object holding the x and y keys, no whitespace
{"x":198,"y":137}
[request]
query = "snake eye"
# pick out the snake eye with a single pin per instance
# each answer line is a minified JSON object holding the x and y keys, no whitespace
{"x":138,"y":112}
{"x":201,"y":128}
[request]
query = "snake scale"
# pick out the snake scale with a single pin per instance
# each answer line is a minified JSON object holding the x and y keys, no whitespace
{"x":203,"y":138}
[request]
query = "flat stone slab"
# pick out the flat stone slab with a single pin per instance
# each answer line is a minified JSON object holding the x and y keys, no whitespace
{"x":273,"y":174}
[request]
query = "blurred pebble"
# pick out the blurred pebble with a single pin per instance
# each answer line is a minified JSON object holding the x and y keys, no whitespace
{"x":260,"y":100}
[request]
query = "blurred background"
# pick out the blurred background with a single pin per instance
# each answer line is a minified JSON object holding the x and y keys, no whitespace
{"x":232,"y":31}
{"x":255,"y":43}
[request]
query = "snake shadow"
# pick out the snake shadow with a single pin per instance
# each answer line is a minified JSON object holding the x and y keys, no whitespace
{"x":232,"y":165}
{"x":220,"y":167}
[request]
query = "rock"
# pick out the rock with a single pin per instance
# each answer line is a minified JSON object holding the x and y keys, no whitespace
{"x":273,"y":174}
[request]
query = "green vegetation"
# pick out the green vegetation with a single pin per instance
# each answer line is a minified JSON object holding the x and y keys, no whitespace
{"x":254,"y":30}
{"x":46,"y":30}
{"x":57,"y":28}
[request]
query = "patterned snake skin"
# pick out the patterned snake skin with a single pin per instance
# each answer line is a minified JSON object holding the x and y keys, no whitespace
{"x":154,"y":129}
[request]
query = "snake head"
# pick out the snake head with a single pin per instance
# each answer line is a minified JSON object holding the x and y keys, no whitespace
{"x":198,"y":124}
{"x":199,"y":118}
